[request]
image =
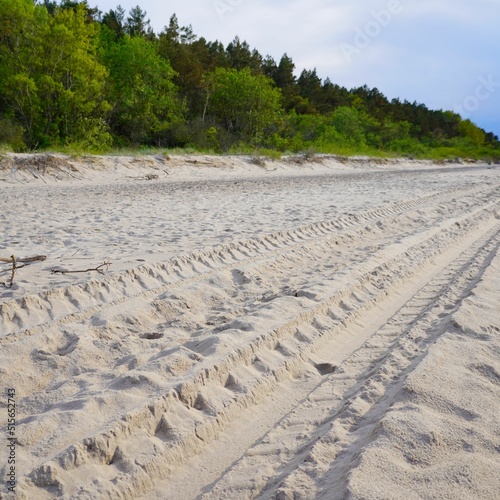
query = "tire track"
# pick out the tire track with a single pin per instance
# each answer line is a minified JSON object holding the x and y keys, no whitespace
{"x":180,"y":423}
{"x":391,"y":354}
{"x":337,"y":420}
{"x":27,"y":316}
{"x":186,"y":355}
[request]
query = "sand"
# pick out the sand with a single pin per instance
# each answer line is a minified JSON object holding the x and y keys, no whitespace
{"x":235,"y":327}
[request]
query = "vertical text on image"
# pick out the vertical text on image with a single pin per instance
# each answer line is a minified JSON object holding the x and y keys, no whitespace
{"x":11,"y":440}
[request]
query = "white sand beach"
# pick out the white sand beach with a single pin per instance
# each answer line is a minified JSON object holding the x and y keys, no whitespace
{"x":237,"y":328}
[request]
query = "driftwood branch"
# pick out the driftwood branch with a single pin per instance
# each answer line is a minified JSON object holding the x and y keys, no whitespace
{"x":99,"y":269}
{"x":9,"y":270}
{"x":15,"y":265}
{"x":147,"y":177}
{"x":13,"y":271}
{"x":26,"y":259}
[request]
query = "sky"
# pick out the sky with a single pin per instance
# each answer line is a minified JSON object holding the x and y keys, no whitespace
{"x":442,"y":53}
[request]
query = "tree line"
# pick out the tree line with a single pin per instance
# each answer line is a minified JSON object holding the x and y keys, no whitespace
{"x":72,"y":76}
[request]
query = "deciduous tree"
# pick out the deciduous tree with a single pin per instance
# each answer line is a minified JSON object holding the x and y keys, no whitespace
{"x":142,"y":93}
{"x":244,"y":104}
{"x":52,"y":82}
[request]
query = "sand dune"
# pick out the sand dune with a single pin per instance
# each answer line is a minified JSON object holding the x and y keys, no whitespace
{"x":288,"y":329}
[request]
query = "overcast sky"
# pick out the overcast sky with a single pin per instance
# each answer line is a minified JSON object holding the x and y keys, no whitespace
{"x":443,"y":53}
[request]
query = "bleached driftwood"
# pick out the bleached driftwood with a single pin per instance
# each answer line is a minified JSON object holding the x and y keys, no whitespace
{"x":99,"y":268}
{"x":25,"y":259}
{"x":15,"y":266}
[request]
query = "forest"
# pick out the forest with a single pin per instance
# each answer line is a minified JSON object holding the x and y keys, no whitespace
{"x":75,"y":79}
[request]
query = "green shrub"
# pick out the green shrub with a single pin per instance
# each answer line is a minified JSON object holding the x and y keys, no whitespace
{"x":11,"y":135}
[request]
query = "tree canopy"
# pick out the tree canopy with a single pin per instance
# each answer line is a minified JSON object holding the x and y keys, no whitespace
{"x":71,"y":75}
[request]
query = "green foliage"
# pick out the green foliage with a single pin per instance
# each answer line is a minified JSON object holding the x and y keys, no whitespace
{"x":114,"y":21}
{"x":93,"y":137}
{"x":144,"y":98}
{"x":137,"y":24}
{"x":52,"y":83}
{"x":247,"y":106}
{"x":472,"y":133}
{"x":212,"y":139}
{"x":11,"y":135}
{"x":73,"y":79}
{"x":392,"y":133}
{"x":349,"y":123}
